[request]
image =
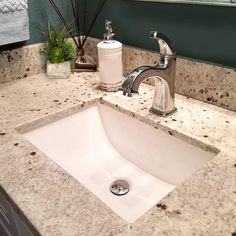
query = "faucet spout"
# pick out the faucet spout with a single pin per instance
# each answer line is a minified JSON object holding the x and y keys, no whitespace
{"x":134,"y":79}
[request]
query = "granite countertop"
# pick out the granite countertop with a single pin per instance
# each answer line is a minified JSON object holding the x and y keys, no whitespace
{"x":57,"y":204}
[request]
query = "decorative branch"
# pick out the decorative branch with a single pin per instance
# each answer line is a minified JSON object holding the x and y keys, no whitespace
{"x":77,"y":20}
{"x":75,"y":7}
{"x":63,"y":21}
{"x":99,"y":8}
{"x":85,"y":18}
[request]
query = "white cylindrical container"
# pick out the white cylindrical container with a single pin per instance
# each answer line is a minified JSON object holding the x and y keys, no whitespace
{"x":110,"y":61}
{"x":110,"y":65}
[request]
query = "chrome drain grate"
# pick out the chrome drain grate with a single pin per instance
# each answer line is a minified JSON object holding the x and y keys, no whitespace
{"x":119,"y":187}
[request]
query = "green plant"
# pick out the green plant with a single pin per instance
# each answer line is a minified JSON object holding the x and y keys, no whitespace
{"x":59,"y":48}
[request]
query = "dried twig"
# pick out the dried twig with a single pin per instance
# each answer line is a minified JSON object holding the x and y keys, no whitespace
{"x":98,"y":10}
{"x":63,"y":20}
{"x":76,"y":15}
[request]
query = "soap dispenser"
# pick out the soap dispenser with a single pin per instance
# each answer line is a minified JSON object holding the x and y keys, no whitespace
{"x":110,"y":61}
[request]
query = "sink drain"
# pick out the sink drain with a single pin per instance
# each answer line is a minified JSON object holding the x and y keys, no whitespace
{"x":119,"y":187}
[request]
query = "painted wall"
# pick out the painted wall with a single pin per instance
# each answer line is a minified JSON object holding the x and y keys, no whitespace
{"x":39,"y":10}
{"x":202,"y":32}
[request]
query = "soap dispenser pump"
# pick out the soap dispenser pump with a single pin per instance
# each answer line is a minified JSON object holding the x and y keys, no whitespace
{"x":110,"y":61}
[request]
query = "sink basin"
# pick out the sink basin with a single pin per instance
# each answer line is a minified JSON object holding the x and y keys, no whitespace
{"x":100,"y":145}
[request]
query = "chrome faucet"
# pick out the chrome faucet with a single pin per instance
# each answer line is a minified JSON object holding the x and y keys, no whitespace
{"x":164,"y":75}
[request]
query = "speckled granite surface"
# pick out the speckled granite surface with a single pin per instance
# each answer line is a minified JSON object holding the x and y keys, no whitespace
{"x":21,"y":63}
{"x":56,"y":204}
{"x":205,"y":82}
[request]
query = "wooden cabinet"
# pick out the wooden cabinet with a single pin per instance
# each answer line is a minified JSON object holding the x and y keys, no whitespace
{"x":10,"y":222}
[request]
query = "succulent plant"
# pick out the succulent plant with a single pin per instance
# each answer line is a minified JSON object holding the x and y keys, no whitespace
{"x":59,"y":48}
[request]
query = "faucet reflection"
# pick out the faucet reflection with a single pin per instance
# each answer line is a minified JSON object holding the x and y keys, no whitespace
{"x":163,"y":74}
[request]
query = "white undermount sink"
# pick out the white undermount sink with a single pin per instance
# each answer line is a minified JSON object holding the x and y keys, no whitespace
{"x":99,"y":145}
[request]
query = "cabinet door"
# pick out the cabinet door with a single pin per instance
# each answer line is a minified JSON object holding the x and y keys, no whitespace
{"x":7,"y":221}
{"x":10,"y":222}
{"x":23,"y":229}
{"x":4,"y":231}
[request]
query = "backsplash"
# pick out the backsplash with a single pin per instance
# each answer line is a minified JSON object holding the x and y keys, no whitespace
{"x":21,"y":62}
{"x":209,"y":83}
{"x":206,"y":82}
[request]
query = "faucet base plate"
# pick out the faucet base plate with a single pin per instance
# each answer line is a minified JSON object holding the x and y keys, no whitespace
{"x":110,"y":87}
{"x":161,"y":113}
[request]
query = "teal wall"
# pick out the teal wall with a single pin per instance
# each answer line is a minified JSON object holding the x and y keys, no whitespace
{"x":39,"y":10}
{"x":202,"y":32}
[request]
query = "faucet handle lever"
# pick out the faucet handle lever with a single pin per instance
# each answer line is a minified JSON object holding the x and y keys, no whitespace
{"x":165,"y":45}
